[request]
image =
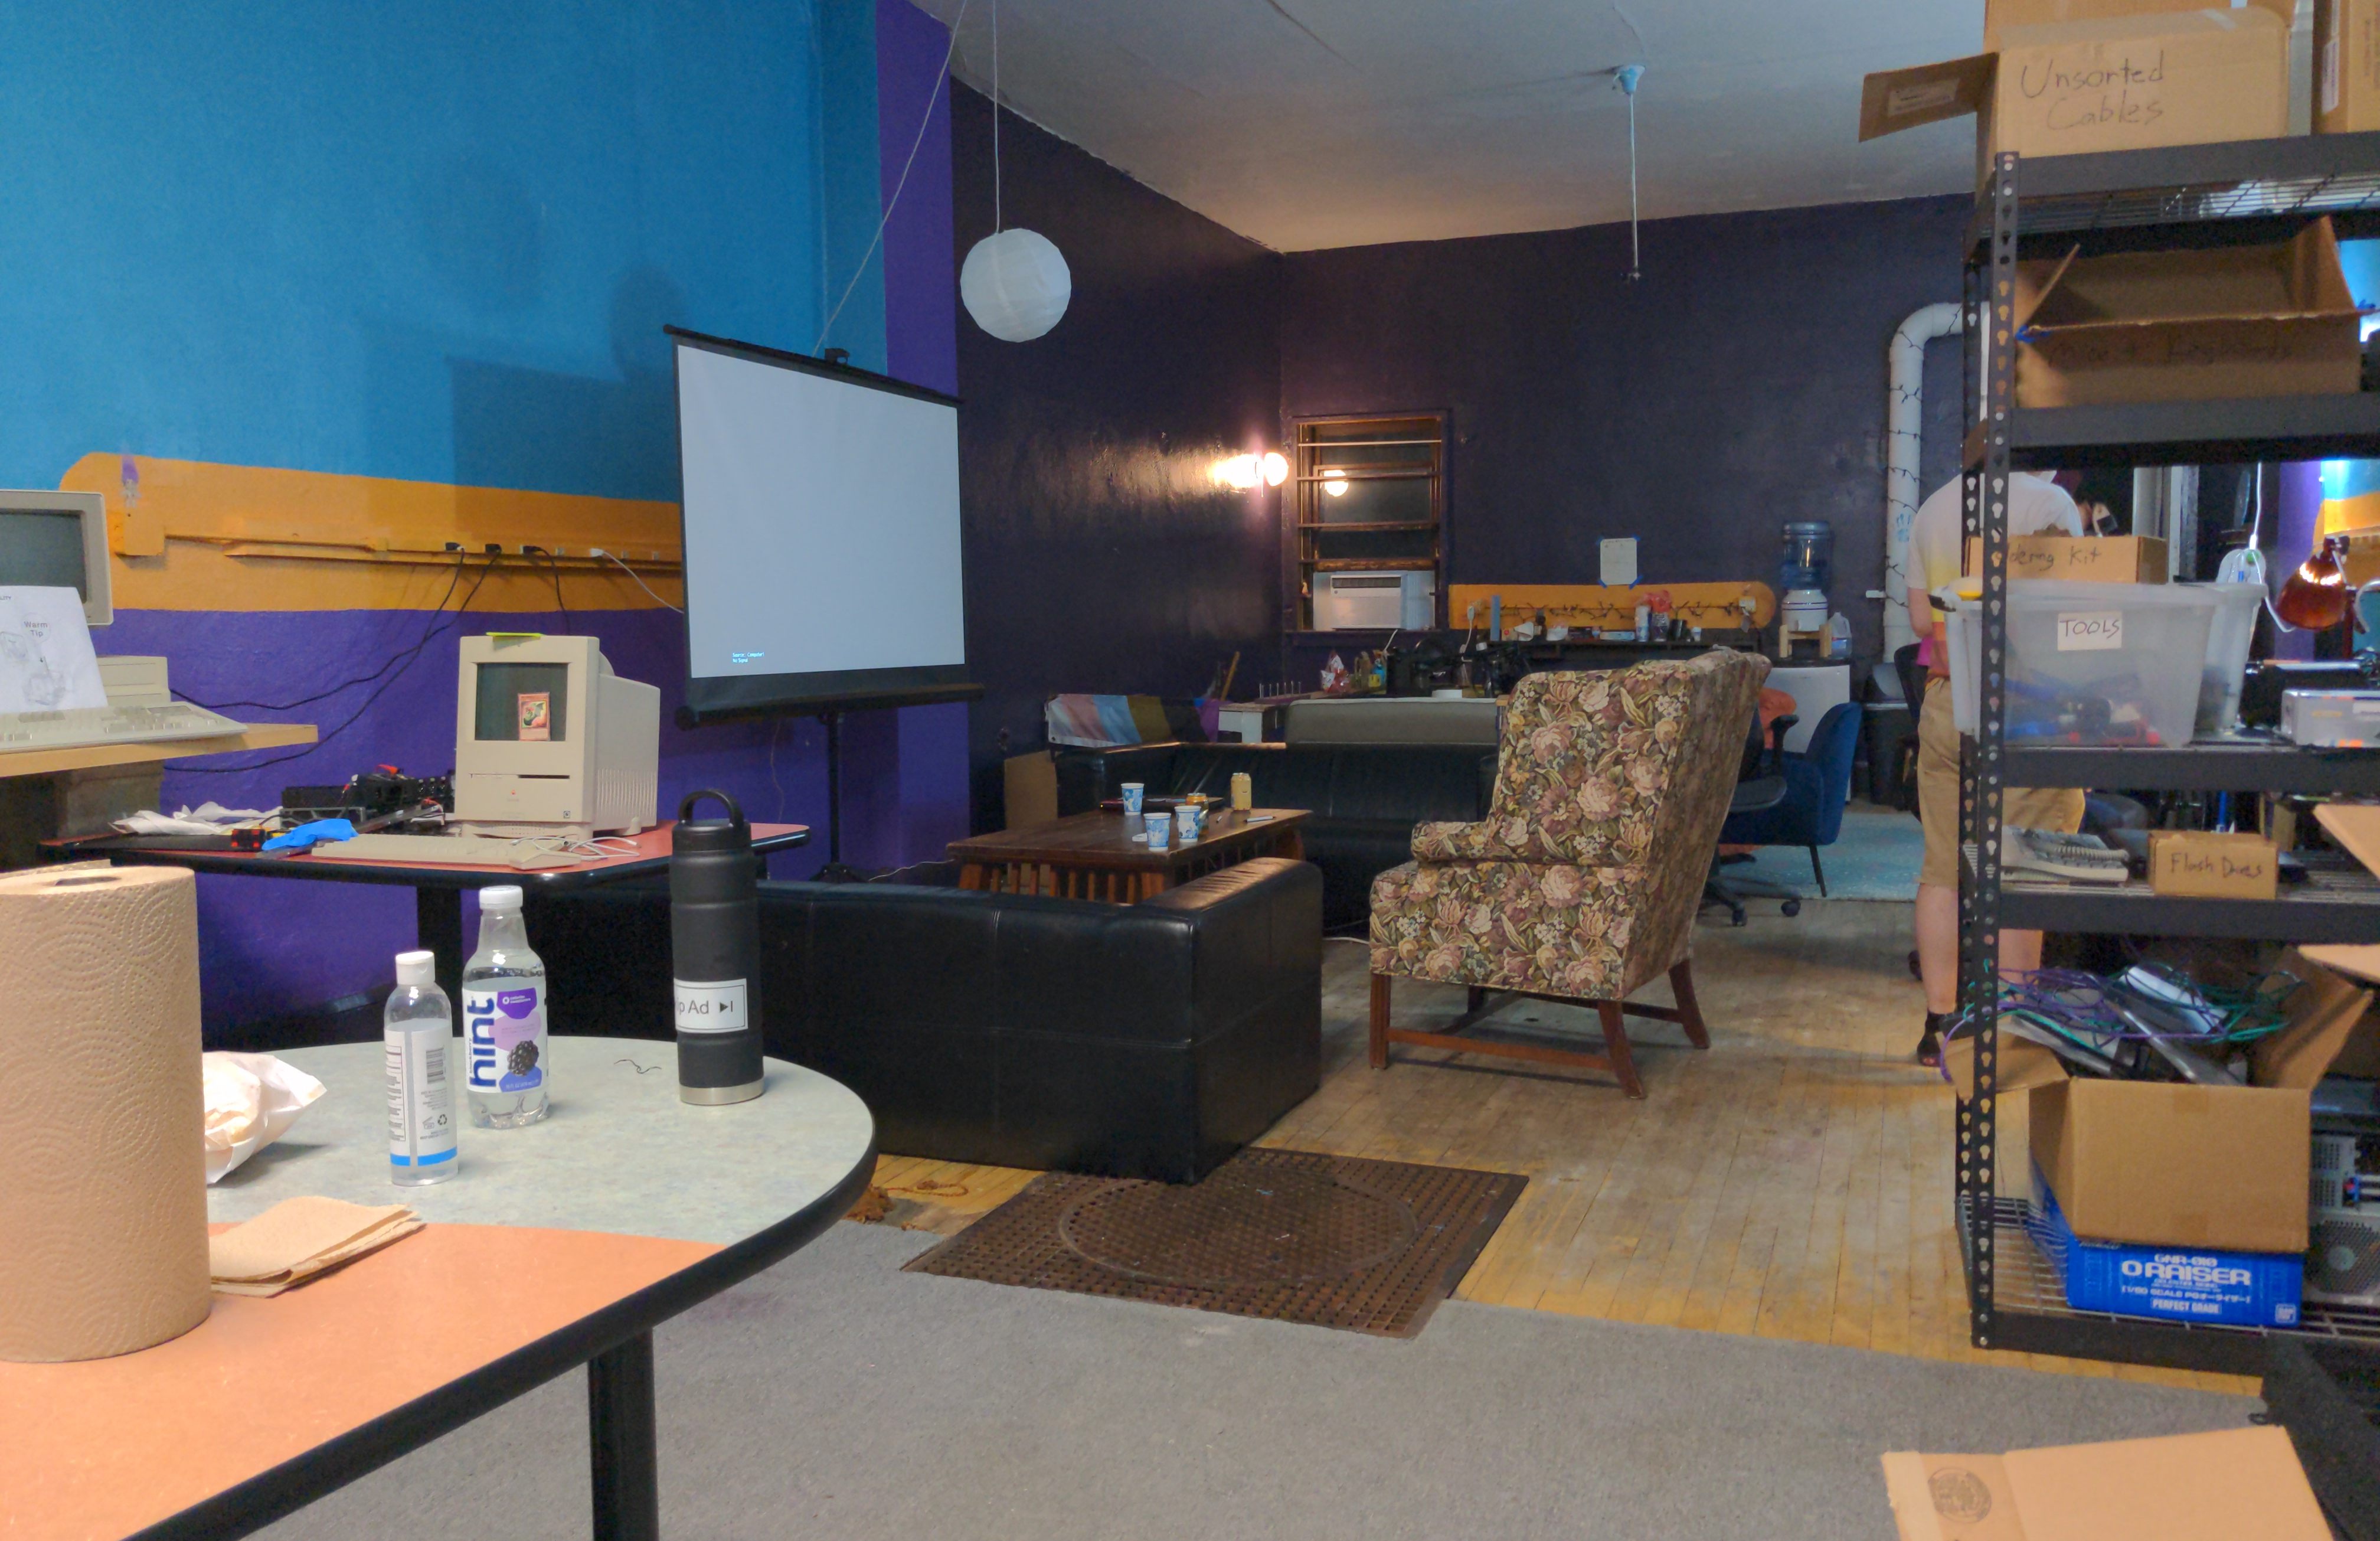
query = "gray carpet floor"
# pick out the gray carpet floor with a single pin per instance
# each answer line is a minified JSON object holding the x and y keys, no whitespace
{"x":837,"y":1397}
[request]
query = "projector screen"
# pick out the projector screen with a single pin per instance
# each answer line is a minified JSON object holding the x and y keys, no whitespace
{"x":821,"y":525}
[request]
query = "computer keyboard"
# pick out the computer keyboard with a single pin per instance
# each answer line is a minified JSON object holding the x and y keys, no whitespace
{"x":528,"y":852}
{"x":2070,"y":858}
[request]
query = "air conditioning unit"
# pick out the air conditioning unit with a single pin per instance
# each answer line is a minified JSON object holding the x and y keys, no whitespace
{"x":1376,"y":601}
{"x":2343,"y":1259}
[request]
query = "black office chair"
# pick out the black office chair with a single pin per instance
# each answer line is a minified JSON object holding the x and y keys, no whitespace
{"x":1760,"y":784}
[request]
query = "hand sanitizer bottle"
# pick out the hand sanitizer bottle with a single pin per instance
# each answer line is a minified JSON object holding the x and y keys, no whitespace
{"x":417,"y":1036}
{"x":503,"y":1019}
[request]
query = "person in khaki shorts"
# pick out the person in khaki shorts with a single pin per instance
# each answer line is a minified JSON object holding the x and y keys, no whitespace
{"x":2036,"y":506}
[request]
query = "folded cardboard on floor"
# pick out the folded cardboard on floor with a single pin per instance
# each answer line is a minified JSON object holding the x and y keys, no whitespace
{"x":2220,"y":1487}
{"x":2113,"y":77}
{"x":2271,"y":319}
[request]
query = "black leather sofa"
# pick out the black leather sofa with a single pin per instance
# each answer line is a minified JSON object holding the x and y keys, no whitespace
{"x":1149,"y":1040}
{"x":1364,"y":799}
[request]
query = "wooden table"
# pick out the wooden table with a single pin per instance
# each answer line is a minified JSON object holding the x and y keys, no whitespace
{"x":1094,"y":855}
{"x":437,"y":886}
{"x":557,"y":1245}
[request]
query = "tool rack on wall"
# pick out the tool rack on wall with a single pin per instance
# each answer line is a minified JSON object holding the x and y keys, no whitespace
{"x":2147,"y":200}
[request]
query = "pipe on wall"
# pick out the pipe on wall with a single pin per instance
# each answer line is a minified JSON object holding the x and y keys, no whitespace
{"x":1903,"y":437}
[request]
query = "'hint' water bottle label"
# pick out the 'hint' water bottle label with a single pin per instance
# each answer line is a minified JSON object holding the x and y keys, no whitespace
{"x":505,"y":1029}
{"x":717,"y":1006}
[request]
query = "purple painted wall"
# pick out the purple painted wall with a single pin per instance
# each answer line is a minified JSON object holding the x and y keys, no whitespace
{"x":1101,"y":554}
{"x":1739,"y":385}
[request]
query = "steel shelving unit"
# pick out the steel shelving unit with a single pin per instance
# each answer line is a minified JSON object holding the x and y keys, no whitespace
{"x":2131,"y":201}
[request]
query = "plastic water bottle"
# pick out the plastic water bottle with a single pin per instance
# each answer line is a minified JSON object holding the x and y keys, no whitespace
{"x":503,"y":1019}
{"x":418,"y":1035}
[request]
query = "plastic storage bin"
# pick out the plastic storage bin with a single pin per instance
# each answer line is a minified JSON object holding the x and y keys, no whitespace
{"x":2190,"y":1284}
{"x":2103,"y":664}
{"x":2237,"y":606}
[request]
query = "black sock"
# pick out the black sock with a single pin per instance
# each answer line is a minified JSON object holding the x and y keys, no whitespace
{"x":1935,"y":1022}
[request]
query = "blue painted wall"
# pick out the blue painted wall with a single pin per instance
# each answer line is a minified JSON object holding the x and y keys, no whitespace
{"x":437,"y":241}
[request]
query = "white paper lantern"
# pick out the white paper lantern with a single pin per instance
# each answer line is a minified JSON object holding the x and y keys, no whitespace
{"x":1016,"y":284}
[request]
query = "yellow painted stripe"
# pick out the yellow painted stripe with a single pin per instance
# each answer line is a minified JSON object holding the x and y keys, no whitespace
{"x":194,"y":535}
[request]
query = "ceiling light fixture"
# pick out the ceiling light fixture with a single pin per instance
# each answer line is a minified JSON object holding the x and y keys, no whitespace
{"x":1015,"y":283}
{"x":1625,"y":78}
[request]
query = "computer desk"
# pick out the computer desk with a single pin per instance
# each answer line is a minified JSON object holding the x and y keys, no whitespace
{"x":437,"y":890}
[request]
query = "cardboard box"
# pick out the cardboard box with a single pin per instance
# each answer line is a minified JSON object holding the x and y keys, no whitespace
{"x":2189,"y":864}
{"x":2268,"y":320}
{"x":2137,"y":79}
{"x":1029,"y":789}
{"x":2170,"y":1165}
{"x":2089,"y":558}
{"x":2345,"y":65}
{"x":2022,"y":1066}
{"x":2000,"y":15}
{"x":2219,"y":1487}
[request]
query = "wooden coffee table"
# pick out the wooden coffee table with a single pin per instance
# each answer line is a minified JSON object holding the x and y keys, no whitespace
{"x":1094,"y":855}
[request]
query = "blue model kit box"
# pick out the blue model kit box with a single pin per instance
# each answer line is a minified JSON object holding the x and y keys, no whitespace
{"x":2181,"y":1284}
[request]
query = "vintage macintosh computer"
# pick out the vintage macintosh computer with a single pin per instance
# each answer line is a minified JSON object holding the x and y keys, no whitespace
{"x":548,"y":741}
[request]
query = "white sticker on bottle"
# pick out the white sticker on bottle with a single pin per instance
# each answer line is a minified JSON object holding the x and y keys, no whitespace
{"x":2090,"y":631}
{"x":717,"y":1006}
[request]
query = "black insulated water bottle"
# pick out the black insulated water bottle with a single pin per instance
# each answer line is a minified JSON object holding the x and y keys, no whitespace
{"x":715,"y":954}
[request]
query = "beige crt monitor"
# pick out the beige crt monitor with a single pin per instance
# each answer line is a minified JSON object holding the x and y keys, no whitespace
{"x":548,"y":741}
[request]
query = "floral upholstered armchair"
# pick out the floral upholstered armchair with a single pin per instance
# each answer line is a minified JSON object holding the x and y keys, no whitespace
{"x":1582,"y":881}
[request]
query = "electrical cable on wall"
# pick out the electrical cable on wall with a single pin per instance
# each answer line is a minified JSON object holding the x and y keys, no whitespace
{"x":461,"y":561}
{"x":933,"y":99}
{"x":639,"y":583}
{"x":404,"y":662}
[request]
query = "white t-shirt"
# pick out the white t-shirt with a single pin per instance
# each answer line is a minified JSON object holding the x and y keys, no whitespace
{"x":1938,"y":535}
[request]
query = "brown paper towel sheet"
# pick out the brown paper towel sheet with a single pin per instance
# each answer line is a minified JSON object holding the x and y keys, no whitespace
{"x":104,"y":1211}
{"x":299,"y":1238}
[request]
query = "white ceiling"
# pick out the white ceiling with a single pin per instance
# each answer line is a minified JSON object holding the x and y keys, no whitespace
{"x":1314,"y":123}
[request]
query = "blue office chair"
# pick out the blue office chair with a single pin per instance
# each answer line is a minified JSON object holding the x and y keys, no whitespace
{"x":1817,"y":784}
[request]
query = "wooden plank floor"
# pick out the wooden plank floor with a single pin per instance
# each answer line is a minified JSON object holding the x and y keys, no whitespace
{"x":1793,"y":1183}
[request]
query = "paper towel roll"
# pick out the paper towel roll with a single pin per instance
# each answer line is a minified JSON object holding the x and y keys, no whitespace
{"x":103,"y":1159}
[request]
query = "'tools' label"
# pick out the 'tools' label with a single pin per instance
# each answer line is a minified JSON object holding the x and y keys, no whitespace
{"x":716,"y":1006}
{"x":505,"y":1029}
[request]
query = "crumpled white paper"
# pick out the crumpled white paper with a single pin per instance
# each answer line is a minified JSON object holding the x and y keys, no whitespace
{"x":207,"y":818}
{"x":251,"y":1100}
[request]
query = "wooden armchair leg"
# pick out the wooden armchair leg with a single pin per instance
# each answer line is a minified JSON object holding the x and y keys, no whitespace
{"x":1379,"y":1021}
{"x":1690,"y":1014}
{"x":1615,"y":1047}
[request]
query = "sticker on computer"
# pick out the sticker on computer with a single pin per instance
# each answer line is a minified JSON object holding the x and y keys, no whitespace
{"x":2090,"y":631}
{"x":717,"y":1006}
{"x":536,"y":716}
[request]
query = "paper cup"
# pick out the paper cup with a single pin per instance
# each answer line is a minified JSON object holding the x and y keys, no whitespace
{"x":1161,"y":830}
{"x":1133,"y":792}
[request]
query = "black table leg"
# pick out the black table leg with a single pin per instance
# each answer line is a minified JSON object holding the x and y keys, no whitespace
{"x":438,"y":926}
{"x":620,"y":1442}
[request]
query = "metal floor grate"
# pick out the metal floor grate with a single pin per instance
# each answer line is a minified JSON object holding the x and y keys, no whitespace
{"x":1371,"y":1246}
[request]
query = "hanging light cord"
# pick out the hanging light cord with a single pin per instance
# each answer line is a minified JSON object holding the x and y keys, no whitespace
{"x":1626,"y":79}
{"x":995,"y":114}
{"x":892,"y":202}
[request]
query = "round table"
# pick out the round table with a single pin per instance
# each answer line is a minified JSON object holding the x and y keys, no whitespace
{"x":556,"y":1245}
{"x":619,"y":1152}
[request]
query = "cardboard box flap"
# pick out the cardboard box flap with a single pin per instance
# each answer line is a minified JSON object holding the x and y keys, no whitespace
{"x":1891,"y":99}
{"x":2300,"y":280}
{"x":2324,"y":1014}
{"x":2355,"y":826}
{"x":2022,"y":1066}
{"x":1951,"y":1498}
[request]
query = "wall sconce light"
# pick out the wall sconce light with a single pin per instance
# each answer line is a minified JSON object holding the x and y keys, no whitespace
{"x":1243,"y":472}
